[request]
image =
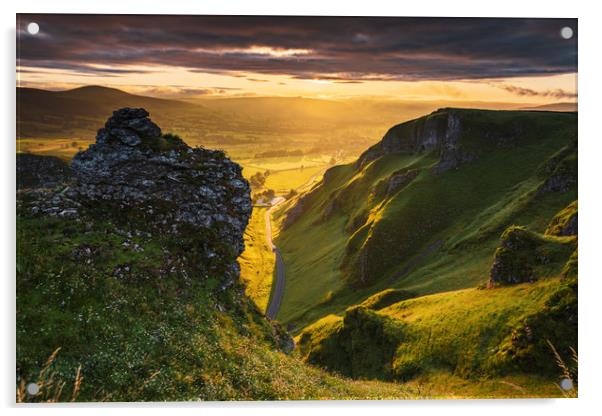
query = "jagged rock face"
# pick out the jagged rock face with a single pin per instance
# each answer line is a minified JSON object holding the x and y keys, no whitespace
{"x":558,"y":182}
{"x":35,"y":171}
{"x":400,"y":180}
{"x":439,"y":132}
{"x":524,"y":256}
{"x":158,"y":185}
{"x":512,"y":260}
{"x":128,"y":126}
{"x":447,"y":133}
{"x":570,"y":227}
{"x":565,"y":223}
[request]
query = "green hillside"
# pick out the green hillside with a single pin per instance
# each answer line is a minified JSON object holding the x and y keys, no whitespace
{"x":469,"y":333}
{"x":514,"y":325}
{"x":423,"y":209}
{"x":138,"y":337}
{"x":442,"y":263}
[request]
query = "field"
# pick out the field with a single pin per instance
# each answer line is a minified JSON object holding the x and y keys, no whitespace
{"x":257,"y":261}
{"x":64,"y":148}
{"x":285,"y":173}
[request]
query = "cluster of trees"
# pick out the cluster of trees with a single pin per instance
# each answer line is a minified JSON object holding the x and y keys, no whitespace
{"x":258,"y":180}
{"x":279,"y":153}
{"x":266,"y":196}
{"x":290,"y":194}
{"x":269,"y":194}
{"x":74,"y":145}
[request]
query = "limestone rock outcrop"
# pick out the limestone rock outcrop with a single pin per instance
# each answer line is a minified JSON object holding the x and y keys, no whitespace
{"x":151,"y":184}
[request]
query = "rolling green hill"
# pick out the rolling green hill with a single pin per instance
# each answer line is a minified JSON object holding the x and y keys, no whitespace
{"x":514,"y":325}
{"x":423,"y":209}
{"x":470,"y":333}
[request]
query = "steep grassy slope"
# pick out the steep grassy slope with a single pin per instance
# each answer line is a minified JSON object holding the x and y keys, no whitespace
{"x":470,"y":333}
{"x":422,"y":210}
{"x":137,"y":336}
{"x":514,"y":325}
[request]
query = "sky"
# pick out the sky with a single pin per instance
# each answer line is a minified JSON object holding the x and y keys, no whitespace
{"x":497,"y":60}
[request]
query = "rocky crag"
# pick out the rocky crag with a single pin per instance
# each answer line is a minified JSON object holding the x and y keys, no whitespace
{"x":458,"y":136}
{"x":440,"y":132}
{"x":524,"y":256}
{"x":35,"y":171}
{"x":150,"y":183}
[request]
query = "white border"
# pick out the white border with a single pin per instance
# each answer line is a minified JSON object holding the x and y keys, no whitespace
{"x":590,"y":153}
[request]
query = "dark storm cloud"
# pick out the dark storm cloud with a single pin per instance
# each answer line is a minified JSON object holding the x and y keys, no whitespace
{"x":86,"y":69}
{"x":335,"y":48}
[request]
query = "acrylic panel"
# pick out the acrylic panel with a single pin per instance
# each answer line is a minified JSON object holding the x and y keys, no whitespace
{"x":295,"y":208}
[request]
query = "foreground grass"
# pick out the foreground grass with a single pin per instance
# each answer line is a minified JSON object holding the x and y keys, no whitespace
{"x":135,"y":335}
{"x":477,"y":337}
{"x":443,"y":385}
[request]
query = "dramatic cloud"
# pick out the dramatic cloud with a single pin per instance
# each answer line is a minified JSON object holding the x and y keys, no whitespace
{"x":332,"y":48}
{"x":528,"y":92}
{"x":179,"y":91}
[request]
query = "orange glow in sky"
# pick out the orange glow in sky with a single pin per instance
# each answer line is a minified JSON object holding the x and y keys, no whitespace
{"x":165,"y":81}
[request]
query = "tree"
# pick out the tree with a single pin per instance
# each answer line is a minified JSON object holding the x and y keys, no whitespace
{"x":290,"y":194}
{"x":257,"y":180}
{"x":270,"y":194}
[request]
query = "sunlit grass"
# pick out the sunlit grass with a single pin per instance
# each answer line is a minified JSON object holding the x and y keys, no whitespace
{"x":64,"y":148}
{"x":453,"y":343}
{"x":462,"y":212}
{"x":257,"y":261}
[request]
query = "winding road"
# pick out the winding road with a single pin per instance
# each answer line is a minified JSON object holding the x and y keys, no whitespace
{"x":278,"y":283}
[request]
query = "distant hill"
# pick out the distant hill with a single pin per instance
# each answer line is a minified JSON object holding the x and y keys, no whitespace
{"x":554,"y":107}
{"x":352,"y":111}
{"x":290,"y":107}
{"x":90,"y":101}
{"x":42,"y":113}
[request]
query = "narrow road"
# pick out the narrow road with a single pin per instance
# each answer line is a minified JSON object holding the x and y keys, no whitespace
{"x":278,"y":283}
